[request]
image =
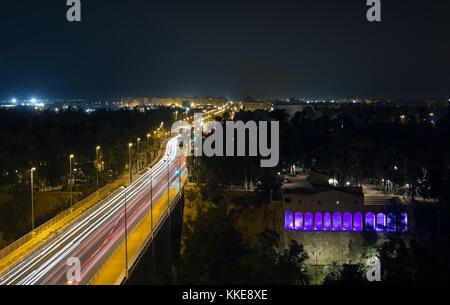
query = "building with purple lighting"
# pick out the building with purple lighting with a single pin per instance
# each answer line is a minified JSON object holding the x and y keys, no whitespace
{"x":326,"y":218}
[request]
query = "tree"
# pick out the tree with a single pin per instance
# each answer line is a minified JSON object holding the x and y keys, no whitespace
{"x":333,"y":271}
{"x":397,"y":261}
{"x":213,"y":250}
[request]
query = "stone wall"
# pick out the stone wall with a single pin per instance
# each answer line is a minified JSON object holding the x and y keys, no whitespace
{"x":332,"y":245}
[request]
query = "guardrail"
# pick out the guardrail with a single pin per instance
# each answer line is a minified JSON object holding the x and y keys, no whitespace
{"x":136,"y":256}
{"x":101,"y":194}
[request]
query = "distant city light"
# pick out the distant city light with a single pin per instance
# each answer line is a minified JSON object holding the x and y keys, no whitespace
{"x":33,"y":100}
{"x":333,"y":181}
{"x":14,"y":100}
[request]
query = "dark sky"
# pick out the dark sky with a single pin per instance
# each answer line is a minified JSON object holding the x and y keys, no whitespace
{"x":313,"y":49}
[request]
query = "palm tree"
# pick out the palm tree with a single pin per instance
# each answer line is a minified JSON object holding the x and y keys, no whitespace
{"x":370,"y":252}
{"x":333,"y":271}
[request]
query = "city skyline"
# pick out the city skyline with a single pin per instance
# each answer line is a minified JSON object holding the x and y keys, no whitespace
{"x":233,"y":49}
{"x":257,"y":145}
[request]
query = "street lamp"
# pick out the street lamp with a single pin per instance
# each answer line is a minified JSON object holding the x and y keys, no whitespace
{"x":129,"y":154}
{"x":151,"y":201}
{"x":139,"y":157}
{"x":96,"y":167}
{"x":126,"y":232}
{"x":316,"y":254}
{"x":168,"y":209}
{"x":151,"y":224}
{"x":32,"y":206}
{"x":168,"y":182}
{"x":148,"y":149}
{"x":71,"y":180}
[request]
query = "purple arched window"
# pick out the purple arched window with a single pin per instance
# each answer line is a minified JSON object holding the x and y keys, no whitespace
{"x":288,"y":220}
{"x":381,"y":222}
{"x":308,"y":221}
{"x":403,"y":224}
{"x":370,"y":221}
{"x":390,"y":223}
{"x":347,"y":223}
{"x":337,"y":222}
{"x":327,"y":222}
{"x":298,"y":221}
{"x":357,"y":222}
{"x":318,"y":221}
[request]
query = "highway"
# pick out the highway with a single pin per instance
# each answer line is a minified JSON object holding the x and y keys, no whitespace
{"x":95,"y":235}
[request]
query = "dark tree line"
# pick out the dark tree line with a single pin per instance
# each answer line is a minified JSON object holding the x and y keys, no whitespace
{"x":350,"y":145}
{"x":215,"y":252}
{"x":360,"y":144}
{"x":46,"y":139}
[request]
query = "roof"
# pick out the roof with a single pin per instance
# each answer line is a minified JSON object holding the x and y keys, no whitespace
{"x":301,"y":185}
{"x":321,"y":189}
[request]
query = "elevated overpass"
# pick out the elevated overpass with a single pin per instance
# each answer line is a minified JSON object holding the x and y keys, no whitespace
{"x":95,"y":238}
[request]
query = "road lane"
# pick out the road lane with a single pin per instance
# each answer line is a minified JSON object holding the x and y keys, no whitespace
{"x":95,"y":236}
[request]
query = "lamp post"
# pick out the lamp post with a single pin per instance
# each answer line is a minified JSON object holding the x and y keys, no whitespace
{"x":71,"y":180}
{"x":32,"y":195}
{"x":151,"y":201}
{"x":138,"y":156}
{"x":148,"y":149}
{"x":151,"y":227}
{"x":168,"y":209}
{"x":316,"y":254}
{"x":96,"y":166}
{"x":168,"y":183}
{"x":130,"y":164}
{"x":126,"y":232}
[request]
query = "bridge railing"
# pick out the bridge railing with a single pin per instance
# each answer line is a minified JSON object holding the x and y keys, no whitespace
{"x":144,"y":245}
{"x":97,"y":196}
{"x":102,"y":193}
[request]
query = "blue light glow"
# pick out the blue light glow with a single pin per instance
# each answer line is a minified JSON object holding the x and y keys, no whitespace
{"x":357,"y":222}
{"x":318,"y":221}
{"x":288,"y":220}
{"x":308,"y":221}
{"x":347,"y":227}
{"x":381,"y":222}
{"x":298,"y":221}
{"x":327,"y":222}
{"x":391,"y":222}
{"x":404,"y":223}
{"x":337,"y":222}
{"x":347,"y":222}
{"x":370,"y":221}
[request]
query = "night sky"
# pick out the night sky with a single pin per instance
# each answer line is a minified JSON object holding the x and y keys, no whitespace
{"x":264,"y":49}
